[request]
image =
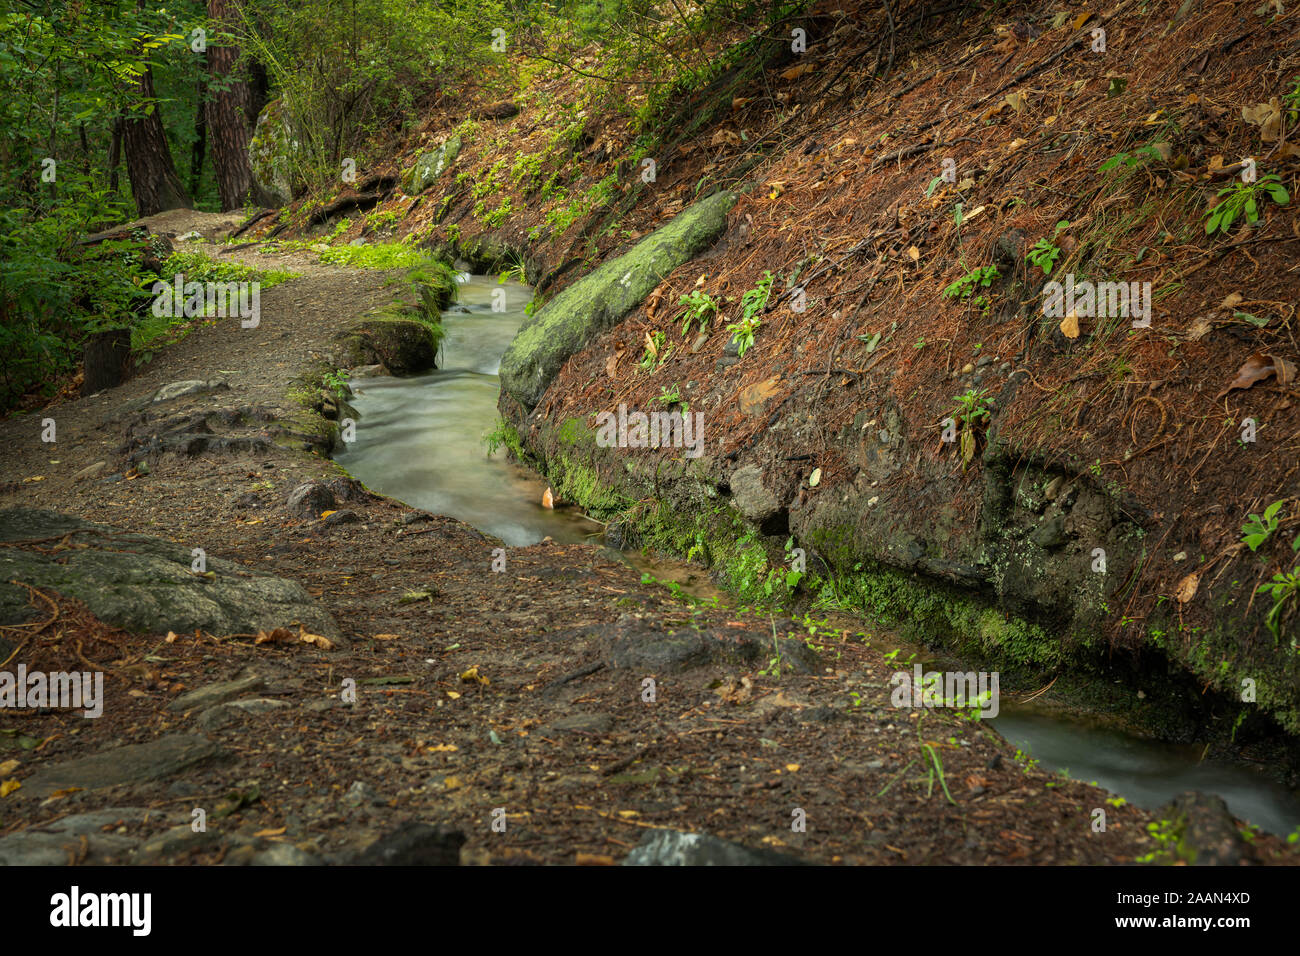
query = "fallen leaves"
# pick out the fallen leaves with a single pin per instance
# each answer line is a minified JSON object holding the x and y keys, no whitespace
{"x":1258,"y":367}
{"x":472,"y":676}
{"x":9,"y":786}
{"x":1187,"y":587}
{"x":1070,"y":326}
{"x":282,"y":635}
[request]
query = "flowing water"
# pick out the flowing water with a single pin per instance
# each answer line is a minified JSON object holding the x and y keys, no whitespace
{"x":419,"y":440}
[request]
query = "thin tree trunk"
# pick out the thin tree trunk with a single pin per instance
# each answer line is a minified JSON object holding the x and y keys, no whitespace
{"x":115,"y":153}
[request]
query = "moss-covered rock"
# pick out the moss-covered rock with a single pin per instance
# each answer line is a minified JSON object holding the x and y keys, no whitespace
{"x":430,"y":165}
{"x":145,"y":584}
{"x":595,"y":303}
{"x":273,"y":153}
{"x":403,"y":345}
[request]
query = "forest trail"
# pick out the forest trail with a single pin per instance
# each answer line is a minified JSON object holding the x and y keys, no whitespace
{"x":481,"y":696}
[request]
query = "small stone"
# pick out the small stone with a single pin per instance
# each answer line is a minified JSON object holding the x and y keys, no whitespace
{"x":309,"y":499}
{"x":1180,"y":556}
{"x":967,"y":368}
{"x":90,"y":471}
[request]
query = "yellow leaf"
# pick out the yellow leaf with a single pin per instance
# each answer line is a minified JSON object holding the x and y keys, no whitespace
{"x":914,"y":253}
{"x":453,"y":695}
{"x":1070,"y":326}
{"x":548,"y":499}
{"x":8,"y":787}
{"x":1187,"y":588}
{"x":472,"y":676}
{"x":387,"y":637}
{"x":628,"y":814}
{"x":1080,"y":20}
{"x":8,"y":766}
{"x":792,"y":767}
{"x":326,"y":514}
{"x":270,"y":833}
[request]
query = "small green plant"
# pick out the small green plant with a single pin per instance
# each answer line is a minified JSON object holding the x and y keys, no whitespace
{"x":972,"y":281}
{"x":657,"y":350}
{"x":700,"y":307}
{"x":751,"y":303}
{"x":972,"y":407}
{"x":1258,"y":527}
{"x":1285,"y":591}
{"x":1045,"y":252}
{"x":336,"y":382}
{"x":1239,"y":198}
{"x":668,"y":396}
{"x":1136,"y":158}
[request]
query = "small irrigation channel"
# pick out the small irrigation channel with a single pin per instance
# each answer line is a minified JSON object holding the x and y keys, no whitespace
{"x":421,"y":441}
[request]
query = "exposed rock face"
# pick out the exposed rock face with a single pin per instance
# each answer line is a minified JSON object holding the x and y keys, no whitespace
{"x":144,"y":584}
{"x":674,"y":848}
{"x":595,"y":303}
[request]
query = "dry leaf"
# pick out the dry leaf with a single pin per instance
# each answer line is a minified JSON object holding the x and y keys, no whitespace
{"x":8,"y":787}
{"x":796,"y":71}
{"x":1080,"y":20}
{"x":172,"y":637}
{"x":914,"y":253}
{"x":593,"y":859}
{"x":387,"y":637}
{"x":1258,"y":367}
{"x":1202,"y":326}
{"x":270,"y":833}
{"x":324,"y":643}
{"x":1187,"y":588}
{"x":1070,"y":326}
{"x":281,"y":635}
{"x":1267,"y":116}
{"x":8,"y":766}
{"x":472,"y":676}
{"x":792,"y":767}
{"x":442,"y":749}
{"x":453,"y":695}
{"x":1231,"y":301}
{"x":815,"y":478}
{"x":548,"y":499}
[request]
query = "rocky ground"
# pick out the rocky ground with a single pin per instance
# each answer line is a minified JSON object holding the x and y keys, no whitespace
{"x":350,"y":680}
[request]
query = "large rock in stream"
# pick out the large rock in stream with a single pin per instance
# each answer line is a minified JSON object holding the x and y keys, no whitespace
{"x":141,"y":583}
{"x":597,"y":302}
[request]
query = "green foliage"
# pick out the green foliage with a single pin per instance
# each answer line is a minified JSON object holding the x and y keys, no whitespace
{"x":1285,"y":591}
{"x":1045,"y":252}
{"x":1239,"y":198}
{"x":1258,"y":527}
{"x":700,"y":308}
{"x":1137,"y":157}
{"x":968,"y":284}
{"x":751,"y":303}
{"x":656,"y":353}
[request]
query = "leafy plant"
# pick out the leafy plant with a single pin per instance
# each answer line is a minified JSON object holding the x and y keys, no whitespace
{"x":1137,"y":157}
{"x":1258,"y":527}
{"x":700,"y":308}
{"x":972,"y":407}
{"x":1285,"y":591}
{"x":1239,"y":198}
{"x":656,"y":352}
{"x":972,"y":281}
{"x":1045,"y":252}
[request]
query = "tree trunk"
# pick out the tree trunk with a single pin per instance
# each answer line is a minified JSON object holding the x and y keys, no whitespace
{"x":229,"y":121}
{"x":115,"y":153}
{"x":200,"y":137}
{"x":149,"y":165}
{"x":107,"y":360}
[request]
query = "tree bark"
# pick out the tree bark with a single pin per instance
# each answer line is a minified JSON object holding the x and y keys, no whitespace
{"x":149,"y":165}
{"x":229,"y":119}
{"x":107,"y":360}
{"x":200,"y":136}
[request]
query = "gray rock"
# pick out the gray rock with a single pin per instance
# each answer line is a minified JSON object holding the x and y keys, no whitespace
{"x":416,"y":844}
{"x":1209,"y":834}
{"x":584,"y":723}
{"x":179,"y":841}
{"x":674,"y":848}
{"x":191,"y":387}
{"x":309,"y":499}
{"x":225,"y":715}
{"x":641,"y":644}
{"x":1050,"y":534}
{"x":214,"y":694}
{"x":750,"y":496}
{"x":54,"y":844}
{"x":430,"y":165}
{"x":135,"y":763}
{"x":284,"y":854}
{"x":359,"y":793}
{"x":91,"y":471}
{"x":145,"y":584}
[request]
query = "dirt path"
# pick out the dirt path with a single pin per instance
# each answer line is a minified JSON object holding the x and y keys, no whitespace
{"x":480,"y":695}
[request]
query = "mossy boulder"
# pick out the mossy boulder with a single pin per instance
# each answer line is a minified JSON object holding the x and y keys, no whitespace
{"x":142,"y":583}
{"x":430,"y":165}
{"x":273,"y":154}
{"x":403,"y":345}
{"x":599,"y":301}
